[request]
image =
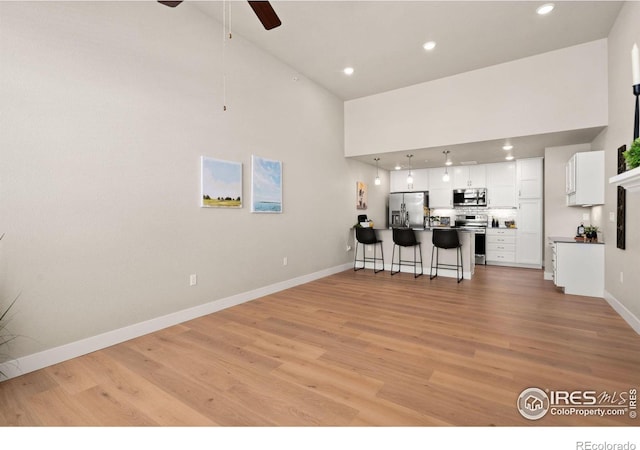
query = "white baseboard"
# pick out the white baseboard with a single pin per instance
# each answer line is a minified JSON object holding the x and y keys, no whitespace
{"x":548,"y":276}
{"x":628,"y":316}
{"x":46,"y":358}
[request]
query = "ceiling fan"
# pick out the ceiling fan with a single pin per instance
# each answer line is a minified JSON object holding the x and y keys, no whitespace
{"x":263,"y":10}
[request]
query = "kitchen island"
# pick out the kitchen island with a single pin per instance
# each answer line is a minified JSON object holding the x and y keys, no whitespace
{"x":424,"y":236}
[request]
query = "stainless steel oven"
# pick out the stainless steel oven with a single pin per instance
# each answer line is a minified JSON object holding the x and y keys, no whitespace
{"x":477,"y":224}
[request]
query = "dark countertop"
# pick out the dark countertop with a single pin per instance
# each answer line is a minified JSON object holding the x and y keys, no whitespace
{"x":570,"y":240}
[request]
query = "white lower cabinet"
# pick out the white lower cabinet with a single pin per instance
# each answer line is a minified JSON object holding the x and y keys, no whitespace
{"x":579,"y":268}
{"x":501,"y":246}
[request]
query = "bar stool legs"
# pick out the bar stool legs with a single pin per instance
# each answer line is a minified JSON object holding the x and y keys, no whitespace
{"x":406,"y":237}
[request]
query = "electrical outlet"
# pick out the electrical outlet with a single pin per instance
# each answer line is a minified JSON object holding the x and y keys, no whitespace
{"x":585,"y":216}
{"x":193,"y":279}
{"x":612,"y":216}
{"x":284,"y":261}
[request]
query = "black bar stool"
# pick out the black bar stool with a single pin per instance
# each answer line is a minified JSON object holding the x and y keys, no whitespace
{"x":446,"y":239}
{"x":367,"y":236}
{"x":406,"y":237}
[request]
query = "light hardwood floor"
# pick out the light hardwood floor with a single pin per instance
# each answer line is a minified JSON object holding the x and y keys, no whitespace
{"x":353,"y":349}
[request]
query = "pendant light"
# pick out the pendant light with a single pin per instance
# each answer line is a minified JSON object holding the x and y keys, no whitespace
{"x":377,"y":182}
{"x":410,"y":176}
{"x":447,"y":162}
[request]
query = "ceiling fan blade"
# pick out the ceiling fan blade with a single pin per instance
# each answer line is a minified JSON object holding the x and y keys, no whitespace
{"x":170,"y":3}
{"x":266,"y":14}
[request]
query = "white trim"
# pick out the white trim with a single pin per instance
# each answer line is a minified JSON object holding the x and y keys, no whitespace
{"x":548,"y":276}
{"x":65,"y":352}
{"x":628,"y":316}
{"x":630,"y":180}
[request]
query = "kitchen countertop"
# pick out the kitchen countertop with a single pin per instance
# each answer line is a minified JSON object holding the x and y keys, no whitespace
{"x":570,"y":240}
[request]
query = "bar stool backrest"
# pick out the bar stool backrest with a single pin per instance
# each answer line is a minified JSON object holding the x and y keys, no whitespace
{"x":366,"y":235}
{"x":445,"y":238}
{"x":404,"y":237}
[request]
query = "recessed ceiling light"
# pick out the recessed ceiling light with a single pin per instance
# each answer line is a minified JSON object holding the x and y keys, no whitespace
{"x":348,"y":70}
{"x":508,"y":157}
{"x":507,"y":147}
{"x":398,"y":167}
{"x":429,"y":45}
{"x":545,"y":9}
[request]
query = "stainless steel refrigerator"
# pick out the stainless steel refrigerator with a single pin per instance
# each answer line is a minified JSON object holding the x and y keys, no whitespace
{"x":408,"y":209}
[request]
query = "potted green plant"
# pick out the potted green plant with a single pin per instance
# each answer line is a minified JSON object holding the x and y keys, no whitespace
{"x":591,"y":233}
{"x":632,"y":156}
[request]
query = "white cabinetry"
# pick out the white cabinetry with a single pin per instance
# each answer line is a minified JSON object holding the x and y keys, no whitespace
{"x":501,"y":246}
{"x":529,"y":178}
{"x":585,"y":179}
{"x":398,"y":180}
{"x":529,"y":235}
{"x":440,"y":192}
{"x":579,"y":268}
{"x":501,"y":185}
{"x":421,"y":180}
{"x":469,"y":176}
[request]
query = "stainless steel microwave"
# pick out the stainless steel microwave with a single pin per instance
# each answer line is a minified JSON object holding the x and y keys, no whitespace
{"x":470,"y":197}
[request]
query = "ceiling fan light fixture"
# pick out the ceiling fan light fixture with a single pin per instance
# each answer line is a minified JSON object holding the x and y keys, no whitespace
{"x":545,"y":9}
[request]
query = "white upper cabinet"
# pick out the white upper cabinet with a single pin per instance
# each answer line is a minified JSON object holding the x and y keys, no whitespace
{"x":420,"y":179}
{"x":440,"y":191}
{"x":529,"y":178}
{"x":585,"y":179}
{"x":469,"y":176}
{"x":501,"y":185}
{"x":398,"y":180}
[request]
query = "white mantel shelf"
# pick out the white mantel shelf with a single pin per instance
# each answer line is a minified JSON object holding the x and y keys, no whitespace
{"x":630,"y":180}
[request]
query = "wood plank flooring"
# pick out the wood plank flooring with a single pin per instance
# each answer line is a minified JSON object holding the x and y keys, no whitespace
{"x":352,"y":349}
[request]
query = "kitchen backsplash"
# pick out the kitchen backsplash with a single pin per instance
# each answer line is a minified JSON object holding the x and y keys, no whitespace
{"x":501,"y":215}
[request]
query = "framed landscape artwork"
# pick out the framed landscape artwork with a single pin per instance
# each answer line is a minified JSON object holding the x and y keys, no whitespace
{"x":266,"y":185}
{"x":221,"y":183}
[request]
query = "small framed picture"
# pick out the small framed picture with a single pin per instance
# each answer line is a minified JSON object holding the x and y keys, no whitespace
{"x":361,"y":195}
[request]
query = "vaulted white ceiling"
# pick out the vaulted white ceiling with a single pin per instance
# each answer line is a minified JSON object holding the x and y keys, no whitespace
{"x":382,"y":40}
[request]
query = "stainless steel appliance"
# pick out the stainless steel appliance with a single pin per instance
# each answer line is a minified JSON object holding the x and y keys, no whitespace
{"x":470,"y":197}
{"x":408,"y":209}
{"x":476,"y":223}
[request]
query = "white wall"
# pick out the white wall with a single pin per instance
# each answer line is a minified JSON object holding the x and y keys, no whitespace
{"x":620,"y":132}
{"x":535,"y":95}
{"x":560,"y":219}
{"x":106,"y":109}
